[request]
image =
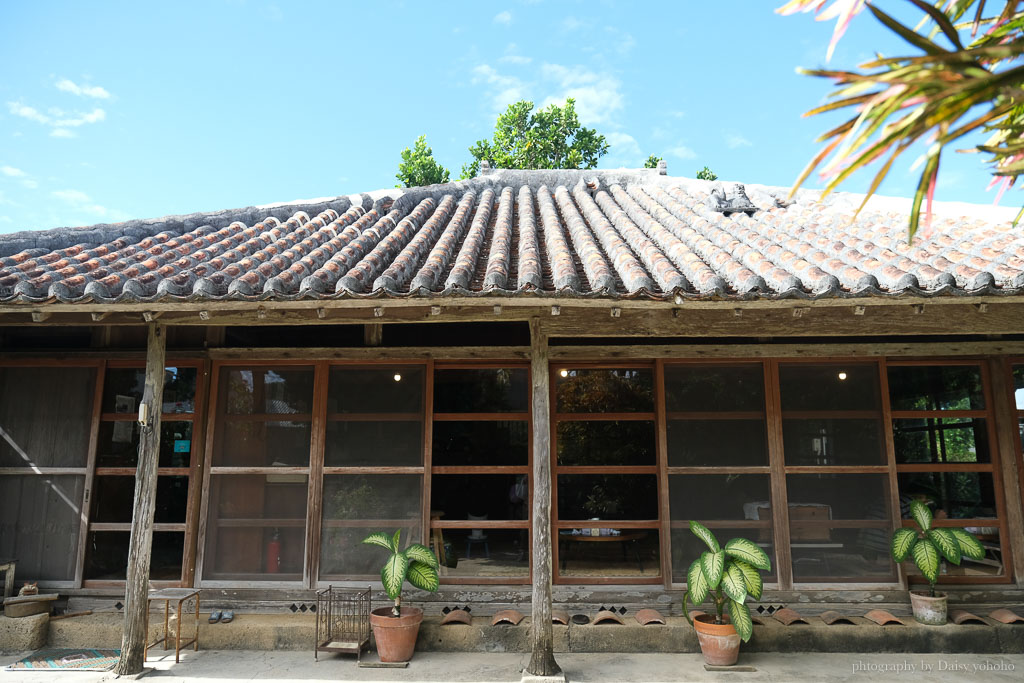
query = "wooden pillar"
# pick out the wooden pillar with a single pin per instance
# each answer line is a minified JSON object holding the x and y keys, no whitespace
{"x":542,"y":662}
{"x":1007,"y":435}
{"x":136,"y":605}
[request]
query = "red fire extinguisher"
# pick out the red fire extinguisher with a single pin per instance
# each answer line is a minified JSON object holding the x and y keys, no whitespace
{"x":274,"y":554}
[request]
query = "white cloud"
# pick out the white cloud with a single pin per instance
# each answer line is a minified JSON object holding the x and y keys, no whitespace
{"x":735,"y":141}
{"x":71,"y":196}
{"x":81,"y":202}
{"x":503,"y":18}
{"x":5,"y":219}
{"x":12,"y":172}
{"x":683,"y":152}
{"x":504,"y":90}
{"x":61,"y":133}
{"x":515,"y":59}
{"x":95,"y":116}
{"x":54,"y":119}
{"x":96,"y":91}
{"x":27,"y":112}
{"x":623,"y":144}
{"x":30,"y":184}
{"x":597,"y":94}
{"x":571,"y":23}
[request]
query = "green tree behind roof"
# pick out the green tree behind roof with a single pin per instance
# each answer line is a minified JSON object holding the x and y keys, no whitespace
{"x":652,"y":161}
{"x":419,"y":167}
{"x":548,"y":138}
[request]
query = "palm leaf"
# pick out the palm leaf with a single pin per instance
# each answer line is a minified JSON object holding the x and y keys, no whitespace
{"x":696,"y":583}
{"x":921,"y":514}
{"x":704,"y":534}
{"x":423,"y":576}
{"x":739,"y":615}
{"x":421,"y":553}
{"x":902,"y":540}
{"x":752,"y":579}
{"x":749,"y":552}
{"x":393,"y":574}
{"x":946,"y":543}
{"x":712,"y":564}
{"x":969,"y":545}
{"x":926,"y":557}
{"x":381,"y":539}
{"x":733,"y":583}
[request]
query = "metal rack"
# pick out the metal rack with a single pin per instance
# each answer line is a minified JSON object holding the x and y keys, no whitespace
{"x":342,"y":621}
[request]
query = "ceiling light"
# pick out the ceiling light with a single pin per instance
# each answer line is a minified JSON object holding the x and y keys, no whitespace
{"x":842,"y":375}
{"x":564,"y":373}
{"x":398,"y":377}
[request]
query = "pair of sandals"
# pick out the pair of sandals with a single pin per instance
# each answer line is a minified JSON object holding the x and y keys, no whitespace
{"x":224,"y":617}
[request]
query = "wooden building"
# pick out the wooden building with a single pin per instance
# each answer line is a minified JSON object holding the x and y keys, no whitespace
{"x":532,"y":371}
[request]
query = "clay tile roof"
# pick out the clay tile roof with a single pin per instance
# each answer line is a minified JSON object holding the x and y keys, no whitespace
{"x":575,"y":234}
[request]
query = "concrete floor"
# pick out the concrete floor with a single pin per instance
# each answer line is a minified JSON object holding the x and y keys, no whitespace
{"x":223,"y":666}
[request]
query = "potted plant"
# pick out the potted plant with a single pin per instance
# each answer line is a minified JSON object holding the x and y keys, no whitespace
{"x":727,"y":575}
{"x":395,"y":628}
{"x":926,"y":547}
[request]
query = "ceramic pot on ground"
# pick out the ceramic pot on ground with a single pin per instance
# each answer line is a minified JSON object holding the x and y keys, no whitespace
{"x":927,"y":609}
{"x":719,"y":643}
{"x":396,"y":636}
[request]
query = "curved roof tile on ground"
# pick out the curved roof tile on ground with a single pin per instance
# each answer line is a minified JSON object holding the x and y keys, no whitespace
{"x":605,"y":234}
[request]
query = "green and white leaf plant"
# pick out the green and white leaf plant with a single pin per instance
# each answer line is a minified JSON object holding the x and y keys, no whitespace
{"x":728,"y":576}
{"x":417,"y":564}
{"x":927,"y":546}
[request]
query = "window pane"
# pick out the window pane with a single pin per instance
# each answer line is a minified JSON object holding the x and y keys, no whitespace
{"x":352,"y":444}
{"x":478,"y":496}
{"x":718,"y":496}
{"x":381,"y":389}
{"x":1018,"y":386}
{"x":45,"y":415}
{"x":123,"y":387}
{"x":113,"y":499}
{"x":707,"y":443}
{"x":257,"y":527}
{"x":850,"y":555}
{"x":631,"y":553}
{"x":262,"y":390}
{"x":119,"y":444}
{"x":481,"y":443}
{"x":939,"y":387}
{"x":989,"y":565}
{"x":106,"y":555}
{"x":344,"y":555}
{"x":262,"y":444}
{"x":607,"y":496}
{"x":605,"y":391}
{"x":714,"y":388}
{"x":955,"y":495}
{"x":941,"y":440}
{"x":475,"y":553}
{"x":686,"y":548}
{"x":484,"y":390}
{"x":39,"y":523}
{"x":836,"y":386}
{"x":833,"y":442}
{"x":372,"y":496}
{"x":606,"y":443}
{"x":821,"y":497}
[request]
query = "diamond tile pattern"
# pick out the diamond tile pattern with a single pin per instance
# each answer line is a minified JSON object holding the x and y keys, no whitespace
{"x":600,"y":235}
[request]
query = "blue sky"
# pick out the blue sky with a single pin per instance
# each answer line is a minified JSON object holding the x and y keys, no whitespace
{"x":110,"y":111}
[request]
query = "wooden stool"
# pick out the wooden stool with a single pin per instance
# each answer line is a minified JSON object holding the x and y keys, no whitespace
{"x":179,"y":595}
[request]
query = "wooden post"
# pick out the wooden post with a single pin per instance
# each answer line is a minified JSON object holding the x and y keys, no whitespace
{"x":542,"y":662}
{"x":133,"y":641}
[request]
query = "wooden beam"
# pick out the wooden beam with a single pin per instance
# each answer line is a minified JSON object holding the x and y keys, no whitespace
{"x":40,"y":316}
{"x":542,"y":661}
{"x":837,"y":350}
{"x":373,"y":334}
{"x":1007,"y":443}
{"x":375,"y":353}
{"x":136,"y":608}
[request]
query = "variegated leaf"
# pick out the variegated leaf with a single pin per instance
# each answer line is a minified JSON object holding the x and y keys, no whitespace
{"x":946,"y":543}
{"x":733,"y":583}
{"x":381,"y":539}
{"x":712,"y":564}
{"x":749,"y":552}
{"x":398,"y":535}
{"x":739,"y":615}
{"x":926,"y":557}
{"x":422,"y":553}
{"x":969,"y":545}
{"x":393,"y":575}
{"x":696,"y":583}
{"x":921,"y":514}
{"x":704,"y":534}
{"x":752,"y":579}
{"x":423,"y":576}
{"x":902,"y":539}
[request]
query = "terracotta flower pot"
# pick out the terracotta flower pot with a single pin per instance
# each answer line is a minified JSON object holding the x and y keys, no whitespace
{"x":927,"y":609}
{"x":396,"y":636}
{"x":719,"y":643}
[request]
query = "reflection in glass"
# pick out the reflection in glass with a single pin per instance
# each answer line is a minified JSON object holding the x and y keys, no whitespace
{"x":40,"y":517}
{"x":114,"y":497}
{"x":821,"y":497}
{"x":480,"y":496}
{"x":45,"y":414}
{"x":686,"y":548}
{"x":629,"y":553}
{"x":119,"y":444}
{"x":606,"y":443}
{"x":481,"y":443}
{"x":262,"y":444}
{"x":372,"y":496}
{"x":605,"y":391}
{"x":836,"y":386}
{"x":1018,"y":386}
{"x":106,"y":555}
{"x":941,"y":440}
{"x":848,"y":554}
{"x":351,"y":444}
{"x":938,"y":387}
{"x":955,"y":495}
{"x":481,"y":390}
{"x":476,"y":553}
{"x":123,"y":388}
{"x":378,"y":389}
{"x":714,"y":388}
{"x":262,"y":390}
{"x":607,"y":496}
{"x":718,"y":496}
{"x":709,"y":443}
{"x":343,"y":554}
{"x":833,"y":442}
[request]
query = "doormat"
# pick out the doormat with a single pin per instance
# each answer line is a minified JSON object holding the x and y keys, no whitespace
{"x":62,"y":658}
